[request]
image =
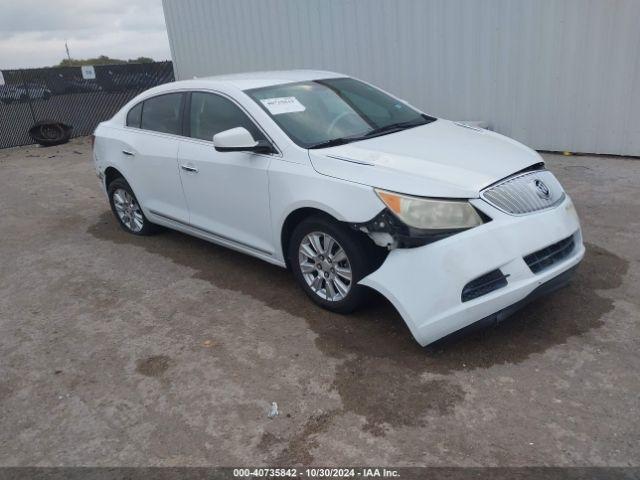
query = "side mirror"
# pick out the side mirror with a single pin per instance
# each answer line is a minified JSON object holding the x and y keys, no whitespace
{"x":239,"y":140}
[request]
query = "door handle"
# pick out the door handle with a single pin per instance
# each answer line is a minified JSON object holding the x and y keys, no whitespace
{"x":127,"y":152}
{"x":189,"y":168}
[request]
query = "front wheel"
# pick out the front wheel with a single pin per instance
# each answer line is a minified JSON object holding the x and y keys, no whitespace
{"x":328,"y":259}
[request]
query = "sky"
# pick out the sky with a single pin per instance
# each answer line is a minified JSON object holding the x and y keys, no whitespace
{"x":33,"y":32}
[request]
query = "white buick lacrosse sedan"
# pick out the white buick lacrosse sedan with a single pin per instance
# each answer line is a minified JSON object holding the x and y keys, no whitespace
{"x":349,"y":187}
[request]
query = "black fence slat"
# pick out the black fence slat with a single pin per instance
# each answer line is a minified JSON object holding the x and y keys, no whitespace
{"x":61,"y":94}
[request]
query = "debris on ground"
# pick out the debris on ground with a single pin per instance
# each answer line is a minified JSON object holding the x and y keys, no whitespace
{"x":273,"y":411}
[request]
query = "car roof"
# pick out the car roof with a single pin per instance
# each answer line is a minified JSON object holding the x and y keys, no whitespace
{"x":230,"y":83}
{"x":248,"y":80}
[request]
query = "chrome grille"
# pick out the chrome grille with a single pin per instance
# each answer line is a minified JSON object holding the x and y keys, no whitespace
{"x":525,"y":193}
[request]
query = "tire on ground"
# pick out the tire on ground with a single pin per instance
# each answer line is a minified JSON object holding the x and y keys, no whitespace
{"x":50,"y":132}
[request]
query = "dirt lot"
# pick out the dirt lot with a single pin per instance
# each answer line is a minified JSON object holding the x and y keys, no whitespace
{"x":167,"y":350}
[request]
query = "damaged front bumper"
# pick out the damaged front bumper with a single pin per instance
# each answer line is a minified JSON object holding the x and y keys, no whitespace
{"x":516,"y":255}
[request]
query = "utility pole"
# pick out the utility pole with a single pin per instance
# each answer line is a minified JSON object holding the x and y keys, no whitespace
{"x":66,"y":47}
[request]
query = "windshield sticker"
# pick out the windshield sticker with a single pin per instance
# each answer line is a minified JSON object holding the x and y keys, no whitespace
{"x":279,"y":105}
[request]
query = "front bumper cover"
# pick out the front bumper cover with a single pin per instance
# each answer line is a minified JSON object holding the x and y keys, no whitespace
{"x":547,"y":288}
{"x":425,"y":283}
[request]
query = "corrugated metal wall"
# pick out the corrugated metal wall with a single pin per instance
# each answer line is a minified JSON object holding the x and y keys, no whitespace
{"x":554,"y":74}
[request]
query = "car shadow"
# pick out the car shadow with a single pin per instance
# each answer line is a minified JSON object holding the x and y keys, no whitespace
{"x":377,"y":329}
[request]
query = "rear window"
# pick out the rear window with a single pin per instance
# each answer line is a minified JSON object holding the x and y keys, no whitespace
{"x":163,"y":114}
{"x":134,"y":116}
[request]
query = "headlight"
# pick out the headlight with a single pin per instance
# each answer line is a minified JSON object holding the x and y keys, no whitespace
{"x":431,"y":214}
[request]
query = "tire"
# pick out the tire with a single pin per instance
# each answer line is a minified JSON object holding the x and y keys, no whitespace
{"x":127,"y":210}
{"x":50,"y":132}
{"x":361,"y":258}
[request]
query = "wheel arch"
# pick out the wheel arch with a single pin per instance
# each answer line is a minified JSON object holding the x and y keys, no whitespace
{"x":110,"y":174}
{"x":293,"y":219}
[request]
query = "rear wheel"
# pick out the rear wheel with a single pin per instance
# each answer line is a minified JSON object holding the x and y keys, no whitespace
{"x":328,"y":259}
{"x":127,"y":210}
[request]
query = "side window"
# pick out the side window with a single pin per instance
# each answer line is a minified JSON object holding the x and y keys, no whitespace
{"x":211,"y":114}
{"x":163,"y":114}
{"x":134,"y":116}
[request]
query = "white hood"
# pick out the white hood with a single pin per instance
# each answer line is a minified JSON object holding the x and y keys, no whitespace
{"x":440,"y":159}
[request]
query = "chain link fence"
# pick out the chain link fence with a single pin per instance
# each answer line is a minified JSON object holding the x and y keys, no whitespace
{"x":80,"y":97}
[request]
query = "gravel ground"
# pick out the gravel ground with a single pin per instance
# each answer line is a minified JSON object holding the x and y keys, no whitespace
{"x":167,"y":350}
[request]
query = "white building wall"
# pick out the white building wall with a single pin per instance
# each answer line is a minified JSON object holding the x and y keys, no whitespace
{"x":554,"y":74}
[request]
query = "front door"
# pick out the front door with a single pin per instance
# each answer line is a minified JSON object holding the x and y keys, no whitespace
{"x":227,"y":192}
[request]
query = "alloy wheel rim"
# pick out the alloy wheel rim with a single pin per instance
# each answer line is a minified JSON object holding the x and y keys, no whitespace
{"x":325,"y":266}
{"x":128,"y":210}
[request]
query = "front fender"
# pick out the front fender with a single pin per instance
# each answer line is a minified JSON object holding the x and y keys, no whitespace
{"x":293,"y":186}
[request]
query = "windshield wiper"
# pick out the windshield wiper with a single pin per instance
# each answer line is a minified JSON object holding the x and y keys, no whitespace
{"x":395,"y":127}
{"x":391,"y":128}
{"x":334,"y":142}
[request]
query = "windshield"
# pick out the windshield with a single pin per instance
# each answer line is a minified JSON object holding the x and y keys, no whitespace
{"x":323,"y":113}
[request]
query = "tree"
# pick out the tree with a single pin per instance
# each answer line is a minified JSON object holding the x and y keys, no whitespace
{"x":142,"y":60}
{"x":101,"y":60}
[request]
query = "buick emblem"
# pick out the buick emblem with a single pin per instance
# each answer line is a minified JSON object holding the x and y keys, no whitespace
{"x":541,"y":189}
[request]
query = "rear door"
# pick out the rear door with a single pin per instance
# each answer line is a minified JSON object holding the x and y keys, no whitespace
{"x":151,"y":155}
{"x":227,"y":192}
